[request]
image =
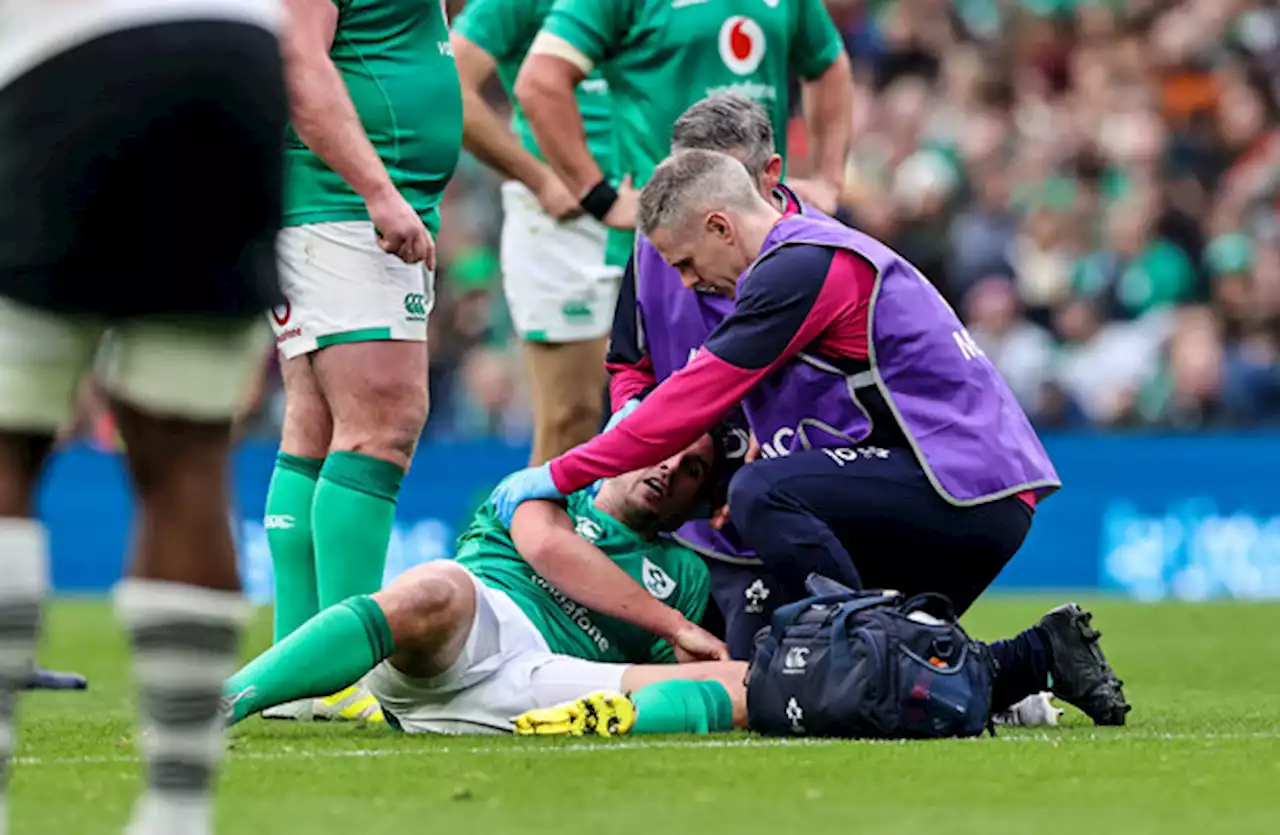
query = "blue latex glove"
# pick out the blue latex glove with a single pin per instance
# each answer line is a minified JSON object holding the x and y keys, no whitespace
{"x":522,"y":486}
{"x":627,"y":408}
{"x":614,"y":420}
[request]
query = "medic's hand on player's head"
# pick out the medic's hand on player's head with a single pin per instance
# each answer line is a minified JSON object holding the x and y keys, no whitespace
{"x":522,"y":486}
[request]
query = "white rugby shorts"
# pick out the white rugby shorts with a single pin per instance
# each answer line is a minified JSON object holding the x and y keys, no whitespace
{"x":505,"y":669}
{"x":197,"y":371}
{"x":554,"y":275}
{"x":341,"y":287}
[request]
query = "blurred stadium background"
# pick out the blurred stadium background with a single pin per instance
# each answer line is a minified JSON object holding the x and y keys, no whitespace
{"x":1094,"y":184}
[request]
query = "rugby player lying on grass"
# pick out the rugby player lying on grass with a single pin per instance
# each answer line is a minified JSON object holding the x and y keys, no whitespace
{"x":576,"y":599}
{"x":544,"y":628}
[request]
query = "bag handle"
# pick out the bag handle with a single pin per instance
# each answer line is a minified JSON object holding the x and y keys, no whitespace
{"x":785,"y":616}
{"x":819,"y":584}
{"x":841,"y":657}
{"x":931,"y":603}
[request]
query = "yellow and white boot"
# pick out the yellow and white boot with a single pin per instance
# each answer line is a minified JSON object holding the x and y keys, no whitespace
{"x":354,"y":704}
{"x":602,"y":714}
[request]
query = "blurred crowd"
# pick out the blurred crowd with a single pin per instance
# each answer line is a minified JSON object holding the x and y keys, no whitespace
{"x":1093,"y":184}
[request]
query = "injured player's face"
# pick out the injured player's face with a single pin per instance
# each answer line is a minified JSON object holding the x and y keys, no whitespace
{"x":661,"y":497}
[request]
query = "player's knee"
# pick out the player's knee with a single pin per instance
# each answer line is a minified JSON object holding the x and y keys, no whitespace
{"x":748,"y":497}
{"x":425,"y":602}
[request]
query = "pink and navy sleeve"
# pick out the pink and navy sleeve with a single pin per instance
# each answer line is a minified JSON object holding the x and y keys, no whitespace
{"x":630,"y":367}
{"x":791,"y":299}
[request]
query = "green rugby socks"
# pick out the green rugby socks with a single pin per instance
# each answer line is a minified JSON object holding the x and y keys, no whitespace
{"x":331,"y":651}
{"x":683,"y":707}
{"x":288,"y":524}
{"x":351,"y":519}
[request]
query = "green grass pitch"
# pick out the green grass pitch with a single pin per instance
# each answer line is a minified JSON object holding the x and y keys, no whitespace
{"x":1201,"y":755}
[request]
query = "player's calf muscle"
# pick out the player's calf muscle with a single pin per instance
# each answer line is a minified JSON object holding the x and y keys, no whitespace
{"x":731,"y":674}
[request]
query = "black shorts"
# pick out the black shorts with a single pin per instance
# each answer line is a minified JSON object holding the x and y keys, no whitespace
{"x":141,"y":174}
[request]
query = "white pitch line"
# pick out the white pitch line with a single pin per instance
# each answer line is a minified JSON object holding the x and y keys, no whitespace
{"x":287,"y":753}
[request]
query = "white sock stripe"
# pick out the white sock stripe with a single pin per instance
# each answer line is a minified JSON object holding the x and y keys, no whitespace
{"x":24,"y":561}
{"x":143,"y":603}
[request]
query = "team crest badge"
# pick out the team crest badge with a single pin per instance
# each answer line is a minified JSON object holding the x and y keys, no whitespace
{"x":657,"y":581}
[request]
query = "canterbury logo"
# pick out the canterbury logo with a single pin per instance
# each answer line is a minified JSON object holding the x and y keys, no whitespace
{"x":796,"y":661}
{"x":415,"y":304}
{"x":278,"y":522}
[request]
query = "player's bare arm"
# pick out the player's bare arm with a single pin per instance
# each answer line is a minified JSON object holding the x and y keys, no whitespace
{"x":828,"y":116}
{"x":485,"y":136}
{"x":326,"y":120}
{"x":543,"y":534}
{"x":545,"y":88}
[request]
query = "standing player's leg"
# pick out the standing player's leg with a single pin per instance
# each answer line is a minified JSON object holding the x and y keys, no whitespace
{"x":377,"y":394}
{"x":41,"y":361}
{"x":566,"y":382}
{"x":353,"y":339}
{"x":353,"y":343}
{"x":304,"y":441}
{"x":174,"y":390}
{"x":126,"y":110}
{"x":562,"y":297}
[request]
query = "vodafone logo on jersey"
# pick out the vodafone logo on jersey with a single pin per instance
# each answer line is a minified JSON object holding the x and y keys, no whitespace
{"x":742,"y":44}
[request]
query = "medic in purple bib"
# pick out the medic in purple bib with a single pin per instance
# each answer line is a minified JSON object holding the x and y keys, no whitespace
{"x":886,"y":434}
{"x":894,"y":454}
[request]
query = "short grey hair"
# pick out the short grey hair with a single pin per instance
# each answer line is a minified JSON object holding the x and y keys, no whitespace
{"x":692,"y":182}
{"x":727,"y":123}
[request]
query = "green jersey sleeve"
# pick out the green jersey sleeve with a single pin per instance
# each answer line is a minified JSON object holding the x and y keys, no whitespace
{"x":502,"y":28}
{"x":694,"y":591}
{"x":598,"y":29}
{"x":815,"y":42}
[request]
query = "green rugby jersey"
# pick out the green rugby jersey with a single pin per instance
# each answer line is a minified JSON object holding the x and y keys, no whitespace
{"x":671,"y":573}
{"x":661,"y":56}
{"x":395,"y":58}
{"x":505,"y":29}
